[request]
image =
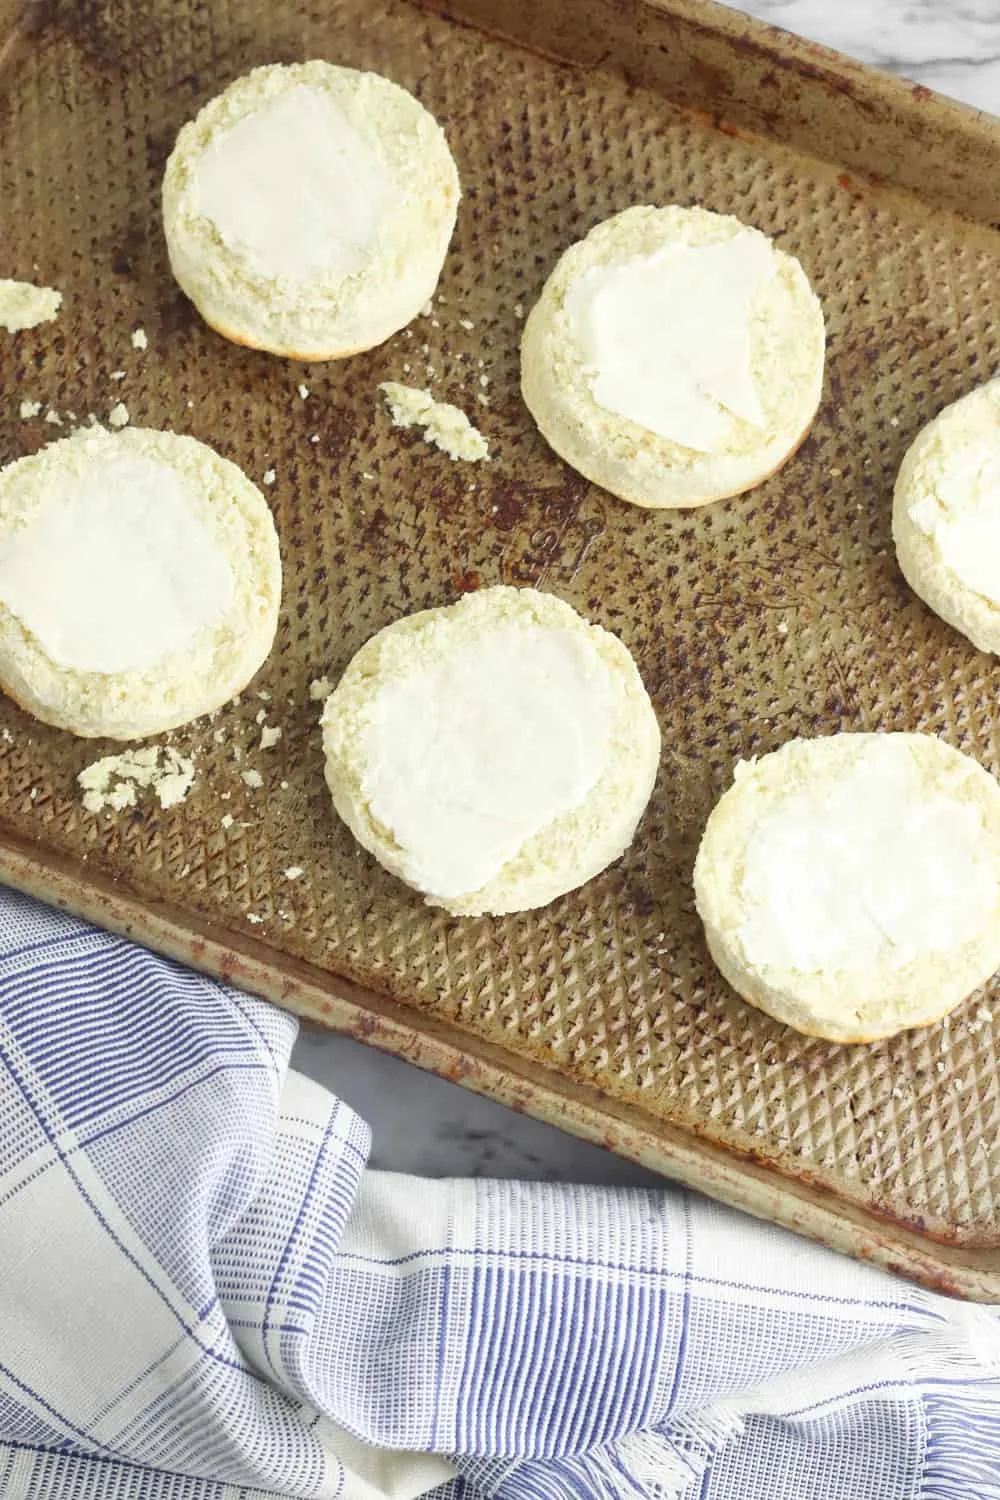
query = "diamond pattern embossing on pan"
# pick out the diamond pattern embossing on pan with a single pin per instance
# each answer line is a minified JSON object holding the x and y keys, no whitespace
{"x":777,"y":614}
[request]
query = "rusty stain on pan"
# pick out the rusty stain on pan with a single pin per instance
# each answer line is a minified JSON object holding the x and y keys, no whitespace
{"x":601,"y":1013}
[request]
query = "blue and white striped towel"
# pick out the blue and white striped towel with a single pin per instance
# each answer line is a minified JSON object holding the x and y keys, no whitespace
{"x":205,"y":1294}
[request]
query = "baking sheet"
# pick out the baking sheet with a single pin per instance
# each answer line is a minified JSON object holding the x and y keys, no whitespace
{"x":781,"y":613}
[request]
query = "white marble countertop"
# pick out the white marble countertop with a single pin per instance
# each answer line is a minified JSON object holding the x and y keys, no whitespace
{"x":420,"y":1123}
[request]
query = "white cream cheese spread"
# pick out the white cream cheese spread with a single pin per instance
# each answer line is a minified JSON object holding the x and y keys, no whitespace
{"x":667,"y":337}
{"x":115,"y":569}
{"x":482,"y":746}
{"x":294,"y":188}
{"x":871,"y":868}
{"x":962,"y":516}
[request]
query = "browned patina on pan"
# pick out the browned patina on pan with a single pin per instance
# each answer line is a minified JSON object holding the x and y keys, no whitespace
{"x":777,"y":614}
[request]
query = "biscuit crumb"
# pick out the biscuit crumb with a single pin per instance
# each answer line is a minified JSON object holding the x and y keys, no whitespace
{"x":117,"y":375}
{"x":29,"y":409}
{"x":24,"y":305}
{"x":139,"y":339}
{"x":114,"y":780}
{"x":270,"y":734}
{"x":294,"y":872}
{"x":254,"y":918}
{"x":219,"y":736}
{"x":270,"y":475}
{"x":53,"y":416}
{"x":782,"y":627}
{"x":466,"y":323}
{"x":118,"y":415}
{"x":444,"y":425}
{"x":320,"y":688}
{"x":264,"y":695}
{"x":252,"y":779}
{"x":303,"y":391}
{"x":260,"y":715}
{"x":519,"y":309}
{"x":314,"y":438}
{"x":427,"y":309}
{"x":226,"y":820}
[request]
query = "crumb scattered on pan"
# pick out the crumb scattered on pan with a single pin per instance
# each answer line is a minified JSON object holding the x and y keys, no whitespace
{"x":118,"y":375}
{"x":139,"y":339}
{"x":270,"y":475}
{"x":219,"y":736}
{"x":782,"y":627}
{"x":444,"y":425}
{"x":263,"y":695}
{"x":314,"y":437}
{"x":466,"y":323}
{"x":303,"y":391}
{"x":252,"y":779}
{"x":23,"y":305}
{"x":294,"y":872}
{"x":320,"y":688}
{"x":115,"y":781}
{"x":260,"y":715}
{"x":53,"y":416}
{"x":270,"y":734}
{"x":519,"y":309}
{"x":118,"y":415}
{"x":253,"y":917}
{"x":226,"y":820}
{"x":29,"y":409}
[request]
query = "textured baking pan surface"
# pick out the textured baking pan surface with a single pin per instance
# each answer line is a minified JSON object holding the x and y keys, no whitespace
{"x":781,"y":613}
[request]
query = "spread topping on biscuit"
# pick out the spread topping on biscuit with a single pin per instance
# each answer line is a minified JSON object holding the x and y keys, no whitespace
{"x":962,"y":516}
{"x":114,"y":569}
{"x":482,"y":745}
{"x":870,"y":867}
{"x":295,"y":188}
{"x":667,"y":337}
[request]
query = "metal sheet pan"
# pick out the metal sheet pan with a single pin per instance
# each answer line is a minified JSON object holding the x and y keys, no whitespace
{"x":777,"y":614}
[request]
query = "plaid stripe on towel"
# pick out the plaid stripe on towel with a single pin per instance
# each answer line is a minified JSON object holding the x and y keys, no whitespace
{"x":205,"y":1294}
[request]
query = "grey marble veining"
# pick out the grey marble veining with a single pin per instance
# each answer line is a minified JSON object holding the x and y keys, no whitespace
{"x":422,"y":1124}
{"x":954,"y":48}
